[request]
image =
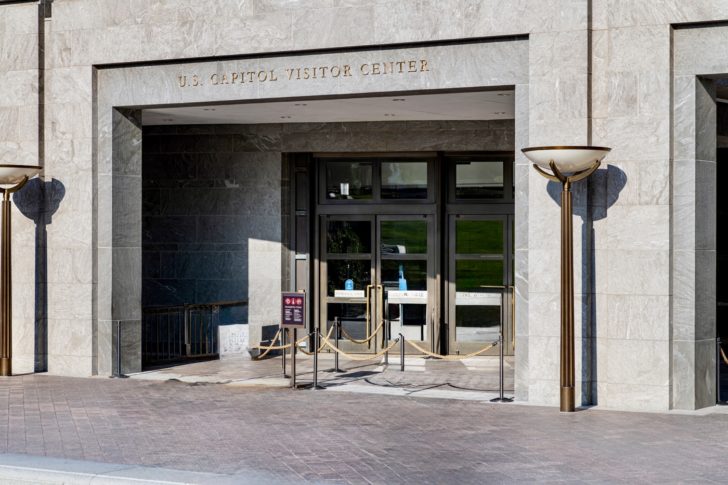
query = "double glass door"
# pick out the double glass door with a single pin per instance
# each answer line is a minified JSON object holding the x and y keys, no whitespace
{"x":377,"y":279}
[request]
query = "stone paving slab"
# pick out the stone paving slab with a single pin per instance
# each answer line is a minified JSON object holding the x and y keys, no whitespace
{"x":473,"y":375}
{"x":349,"y":438}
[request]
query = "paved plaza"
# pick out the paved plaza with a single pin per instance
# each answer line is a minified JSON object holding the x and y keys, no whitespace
{"x":266,"y":434}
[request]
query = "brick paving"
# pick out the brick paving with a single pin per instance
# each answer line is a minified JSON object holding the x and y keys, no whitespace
{"x":338,"y":437}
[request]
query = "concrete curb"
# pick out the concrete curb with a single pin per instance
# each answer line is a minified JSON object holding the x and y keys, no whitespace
{"x":26,"y":469}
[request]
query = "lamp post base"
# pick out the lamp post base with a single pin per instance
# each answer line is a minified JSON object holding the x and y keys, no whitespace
{"x":6,"y":367}
{"x":567,"y":400}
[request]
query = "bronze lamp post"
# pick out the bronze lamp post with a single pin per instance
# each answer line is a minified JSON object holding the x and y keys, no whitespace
{"x":12,"y":179}
{"x":568,"y":164}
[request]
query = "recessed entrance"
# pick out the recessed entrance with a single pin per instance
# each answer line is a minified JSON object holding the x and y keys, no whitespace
{"x":236,"y":212}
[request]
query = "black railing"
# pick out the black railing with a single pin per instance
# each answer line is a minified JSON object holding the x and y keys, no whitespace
{"x":182,"y":332}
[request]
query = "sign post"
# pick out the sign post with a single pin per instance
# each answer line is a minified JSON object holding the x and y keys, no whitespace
{"x":293,"y":317}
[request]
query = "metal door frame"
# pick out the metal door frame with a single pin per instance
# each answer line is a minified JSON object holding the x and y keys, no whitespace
{"x":507,"y":305}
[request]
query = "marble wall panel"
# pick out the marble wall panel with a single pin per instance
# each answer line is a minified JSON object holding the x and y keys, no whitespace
{"x":705,"y":355}
{"x":694,"y":186}
{"x":638,"y":272}
{"x":705,"y":294}
{"x":126,"y":210}
{"x":126,"y":301}
{"x":639,"y":228}
{"x":637,"y":317}
{"x":695,"y":52}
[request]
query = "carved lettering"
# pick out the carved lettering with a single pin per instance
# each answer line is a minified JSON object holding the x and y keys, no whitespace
{"x":301,"y":73}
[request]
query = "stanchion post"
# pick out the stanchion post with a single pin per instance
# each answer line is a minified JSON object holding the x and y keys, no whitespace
{"x":293,"y":358}
{"x":315,"y":358}
{"x":500,"y":397}
{"x":337,"y":329}
{"x":284,"y":331}
{"x":386,"y":341}
{"x":401,"y":352}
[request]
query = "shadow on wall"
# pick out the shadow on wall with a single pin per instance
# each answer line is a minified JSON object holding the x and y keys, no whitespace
{"x":38,"y":201}
{"x":605,"y":187}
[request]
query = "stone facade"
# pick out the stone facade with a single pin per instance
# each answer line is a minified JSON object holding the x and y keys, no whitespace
{"x":634,"y":76}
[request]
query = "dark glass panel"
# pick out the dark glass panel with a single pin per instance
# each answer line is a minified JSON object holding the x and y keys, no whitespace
{"x":404,"y":237}
{"x":479,"y":237}
{"x":478,"y":180}
{"x":349,"y":180}
{"x":404,"y":180}
{"x":349,"y":237}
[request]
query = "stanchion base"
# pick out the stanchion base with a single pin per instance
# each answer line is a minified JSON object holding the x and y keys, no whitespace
{"x":334,"y":370}
{"x":502,"y":399}
{"x":567,"y":400}
{"x":122,"y":376}
{"x":303,"y":386}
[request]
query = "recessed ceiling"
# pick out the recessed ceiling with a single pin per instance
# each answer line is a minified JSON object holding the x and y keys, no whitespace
{"x":481,"y":105}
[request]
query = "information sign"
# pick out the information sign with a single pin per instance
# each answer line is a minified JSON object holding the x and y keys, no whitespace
{"x":416,"y":297}
{"x":348,"y":293}
{"x":293,"y":310}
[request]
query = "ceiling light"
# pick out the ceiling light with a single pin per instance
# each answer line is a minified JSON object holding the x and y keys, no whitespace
{"x":300,"y":104}
{"x":499,"y":113}
{"x":168,"y":119}
{"x":208,"y":109}
{"x":285,"y":117}
{"x":505,"y":94}
{"x":399,"y":99}
{"x":389,"y":114}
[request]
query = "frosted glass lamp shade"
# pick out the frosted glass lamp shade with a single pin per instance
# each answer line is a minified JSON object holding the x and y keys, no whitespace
{"x":568,"y":159}
{"x":13,"y":174}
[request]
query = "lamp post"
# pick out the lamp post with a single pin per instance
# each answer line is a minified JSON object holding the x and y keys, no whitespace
{"x":568,"y":164}
{"x":12,"y":179}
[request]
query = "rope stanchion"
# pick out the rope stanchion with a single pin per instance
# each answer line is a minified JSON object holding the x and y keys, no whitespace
{"x":321,"y":347}
{"x":361,"y":341}
{"x":277,"y":347}
{"x":360,"y":357}
{"x":272,"y":347}
{"x":451,"y":357}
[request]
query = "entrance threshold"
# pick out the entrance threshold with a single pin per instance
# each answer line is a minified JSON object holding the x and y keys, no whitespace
{"x":473,"y":379}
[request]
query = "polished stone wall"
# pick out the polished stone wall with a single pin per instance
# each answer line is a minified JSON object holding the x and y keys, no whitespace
{"x":595,"y":71}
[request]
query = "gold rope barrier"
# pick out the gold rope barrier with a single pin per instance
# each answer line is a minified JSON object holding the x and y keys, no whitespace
{"x":277,"y":347}
{"x":725,"y":359}
{"x":272,"y":347}
{"x":357,"y":357}
{"x":359,"y":341}
{"x":331,"y":330}
{"x":450,"y":357}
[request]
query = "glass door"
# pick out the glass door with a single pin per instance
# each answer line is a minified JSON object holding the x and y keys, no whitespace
{"x":480,"y":283}
{"x":377,"y":277}
{"x":348,"y":293}
{"x":406,"y":274}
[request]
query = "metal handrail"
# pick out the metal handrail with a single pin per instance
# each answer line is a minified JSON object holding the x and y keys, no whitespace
{"x":182,"y":331}
{"x":163,"y":309}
